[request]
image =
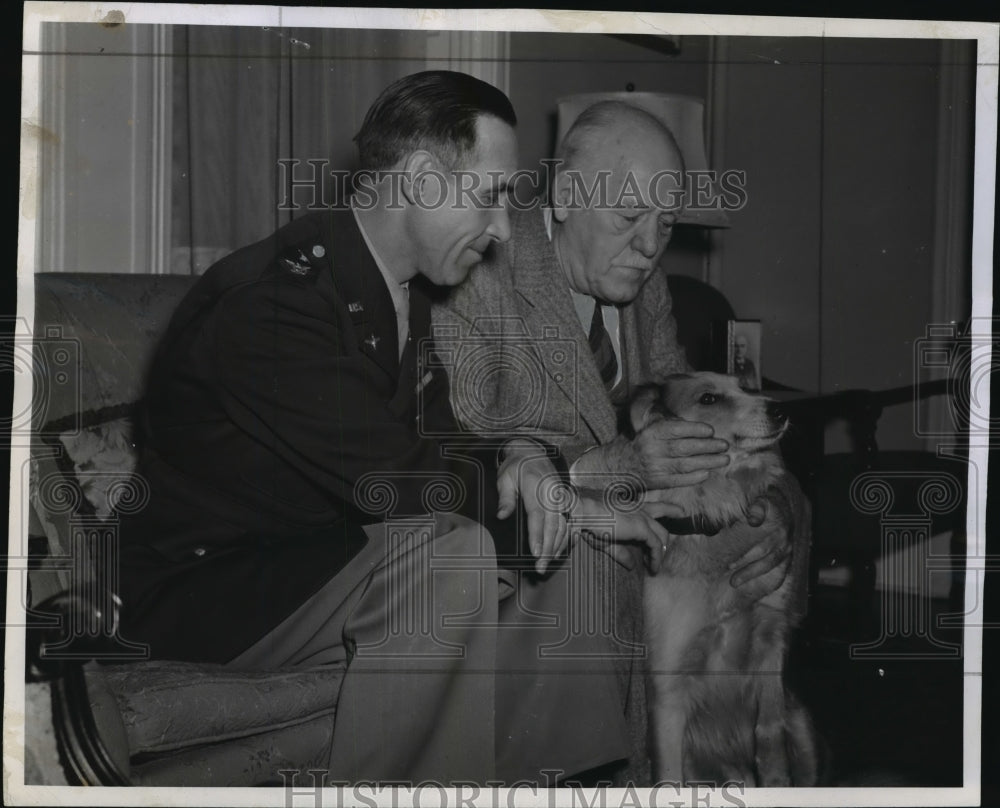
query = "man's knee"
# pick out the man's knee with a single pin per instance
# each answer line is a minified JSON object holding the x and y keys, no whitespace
{"x":437,"y":577}
{"x":463,"y":569}
{"x":439,"y":535}
{"x":459,"y":536}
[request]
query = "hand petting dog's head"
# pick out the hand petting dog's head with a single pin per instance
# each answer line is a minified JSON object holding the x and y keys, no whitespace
{"x":750,"y":423}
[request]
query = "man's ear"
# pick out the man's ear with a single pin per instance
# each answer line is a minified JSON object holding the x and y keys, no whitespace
{"x":562,"y":196}
{"x":417,"y":170}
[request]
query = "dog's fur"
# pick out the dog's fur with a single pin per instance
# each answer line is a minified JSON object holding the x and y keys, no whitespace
{"x":718,"y":707}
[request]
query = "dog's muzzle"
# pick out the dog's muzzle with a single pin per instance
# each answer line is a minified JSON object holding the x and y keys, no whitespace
{"x":777,"y":414}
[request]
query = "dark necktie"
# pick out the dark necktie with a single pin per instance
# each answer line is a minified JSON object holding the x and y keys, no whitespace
{"x":604,"y":350}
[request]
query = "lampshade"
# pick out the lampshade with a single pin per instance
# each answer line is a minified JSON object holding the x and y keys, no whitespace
{"x":683,"y":115}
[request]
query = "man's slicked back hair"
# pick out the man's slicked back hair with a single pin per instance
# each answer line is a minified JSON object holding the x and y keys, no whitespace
{"x":434,"y":111}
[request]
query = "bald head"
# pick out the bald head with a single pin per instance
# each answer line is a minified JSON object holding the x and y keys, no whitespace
{"x":610,"y":130}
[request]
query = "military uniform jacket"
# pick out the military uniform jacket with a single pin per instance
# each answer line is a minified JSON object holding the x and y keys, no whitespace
{"x":278,"y":420}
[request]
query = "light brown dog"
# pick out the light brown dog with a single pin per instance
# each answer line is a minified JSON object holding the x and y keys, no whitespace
{"x":719,"y":710}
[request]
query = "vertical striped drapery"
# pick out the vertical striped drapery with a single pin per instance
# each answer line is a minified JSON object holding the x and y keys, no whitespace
{"x":247,"y":102}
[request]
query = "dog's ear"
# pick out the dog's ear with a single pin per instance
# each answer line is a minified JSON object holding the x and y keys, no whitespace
{"x":637,"y":414}
{"x":625,"y":428}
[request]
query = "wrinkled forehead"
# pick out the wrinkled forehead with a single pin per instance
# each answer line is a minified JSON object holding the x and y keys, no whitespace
{"x":648,"y":175}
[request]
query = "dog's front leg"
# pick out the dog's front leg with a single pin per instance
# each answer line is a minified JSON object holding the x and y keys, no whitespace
{"x":669,"y":721}
{"x":766,"y":666}
{"x":772,"y":756}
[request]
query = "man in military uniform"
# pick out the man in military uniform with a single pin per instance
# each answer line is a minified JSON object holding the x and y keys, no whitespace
{"x":286,"y":424}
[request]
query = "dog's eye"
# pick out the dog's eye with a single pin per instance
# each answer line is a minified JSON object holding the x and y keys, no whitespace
{"x":708,"y":398}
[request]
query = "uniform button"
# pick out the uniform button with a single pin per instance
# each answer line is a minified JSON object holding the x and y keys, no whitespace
{"x":199,"y":551}
{"x":318,"y":251}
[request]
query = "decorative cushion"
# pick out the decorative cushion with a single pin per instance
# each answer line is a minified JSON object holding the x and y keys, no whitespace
{"x":81,"y":465}
{"x":101,"y":457}
{"x":95,"y":452}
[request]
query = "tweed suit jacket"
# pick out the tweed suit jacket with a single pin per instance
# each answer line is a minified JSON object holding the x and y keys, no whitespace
{"x":522,"y":362}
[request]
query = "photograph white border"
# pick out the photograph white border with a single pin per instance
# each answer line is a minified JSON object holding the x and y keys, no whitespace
{"x":986,"y":35}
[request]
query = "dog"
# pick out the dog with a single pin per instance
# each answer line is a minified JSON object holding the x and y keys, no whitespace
{"x":718,"y":707}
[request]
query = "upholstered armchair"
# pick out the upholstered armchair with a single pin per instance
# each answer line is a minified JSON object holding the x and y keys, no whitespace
{"x":96,"y":711}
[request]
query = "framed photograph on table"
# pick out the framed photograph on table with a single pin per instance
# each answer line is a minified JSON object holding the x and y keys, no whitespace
{"x":743,"y":352}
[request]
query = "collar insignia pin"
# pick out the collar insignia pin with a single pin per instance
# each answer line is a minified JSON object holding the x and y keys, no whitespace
{"x":296,"y":267}
{"x":355,"y":306}
{"x":373,"y":342}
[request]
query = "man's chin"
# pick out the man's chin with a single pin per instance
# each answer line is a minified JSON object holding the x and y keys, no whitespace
{"x":623,"y":293}
{"x":458,"y":273}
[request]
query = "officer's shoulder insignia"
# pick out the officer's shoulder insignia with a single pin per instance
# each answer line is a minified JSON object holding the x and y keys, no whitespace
{"x":296,"y":261}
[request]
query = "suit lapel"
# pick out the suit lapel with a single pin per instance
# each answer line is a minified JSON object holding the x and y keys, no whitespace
{"x":539,"y":282}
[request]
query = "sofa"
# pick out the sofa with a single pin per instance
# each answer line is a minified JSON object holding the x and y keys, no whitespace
{"x":96,"y":710}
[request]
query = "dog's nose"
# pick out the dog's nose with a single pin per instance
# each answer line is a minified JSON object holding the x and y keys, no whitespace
{"x":776,"y":412}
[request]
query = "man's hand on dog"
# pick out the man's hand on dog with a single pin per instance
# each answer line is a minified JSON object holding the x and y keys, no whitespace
{"x":764,"y":567}
{"x":591,"y":519}
{"x":674,"y":453}
{"x":667,"y":453}
{"x":527,"y":472}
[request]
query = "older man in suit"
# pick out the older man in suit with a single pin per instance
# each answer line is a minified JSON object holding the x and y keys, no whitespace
{"x":566,"y":319}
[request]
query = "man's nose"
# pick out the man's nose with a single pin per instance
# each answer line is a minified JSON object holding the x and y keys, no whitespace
{"x":647,"y":237}
{"x":499,"y":226}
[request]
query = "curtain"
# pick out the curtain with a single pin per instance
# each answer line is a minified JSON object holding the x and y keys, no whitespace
{"x":260,"y":112}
